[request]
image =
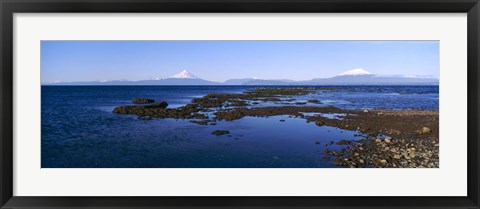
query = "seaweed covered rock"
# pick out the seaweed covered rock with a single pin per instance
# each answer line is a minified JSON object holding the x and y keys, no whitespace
{"x":258,"y":94}
{"x":159,"y":110}
{"x":140,"y":110}
{"x":220,"y":132}
{"x":126,"y":109}
{"x":157,"y":105}
{"x":142,"y":101}
{"x":218,"y":100}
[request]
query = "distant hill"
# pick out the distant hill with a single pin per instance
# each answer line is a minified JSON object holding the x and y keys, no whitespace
{"x":239,"y":81}
{"x":370,"y":80}
{"x":258,"y":82}
{"x":352,"y":77}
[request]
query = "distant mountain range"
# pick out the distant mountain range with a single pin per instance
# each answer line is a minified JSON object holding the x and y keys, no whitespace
{"x":352,"y":77}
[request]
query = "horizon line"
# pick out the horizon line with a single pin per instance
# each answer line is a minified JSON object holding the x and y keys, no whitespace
{"x":256,"y":78}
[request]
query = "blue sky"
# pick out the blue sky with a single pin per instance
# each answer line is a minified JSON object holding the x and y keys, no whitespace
{"x":66,"y":61}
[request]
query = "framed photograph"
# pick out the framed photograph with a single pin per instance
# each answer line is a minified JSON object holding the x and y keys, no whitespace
{"x":239,"y":104}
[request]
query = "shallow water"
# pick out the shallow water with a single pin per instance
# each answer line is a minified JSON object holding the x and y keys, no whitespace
{"x":80,"y":130}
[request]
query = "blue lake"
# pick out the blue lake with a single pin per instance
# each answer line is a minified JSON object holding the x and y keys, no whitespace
{"x":79,"y":129}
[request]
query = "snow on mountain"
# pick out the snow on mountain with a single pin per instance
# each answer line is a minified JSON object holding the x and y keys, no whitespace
{"x":185,"y":74}
{"x":356,"y":72}
{"x":352,"y":77}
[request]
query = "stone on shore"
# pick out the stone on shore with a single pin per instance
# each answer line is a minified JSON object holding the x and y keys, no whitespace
{"x":387,"y":140}
{"x":424,"y":130}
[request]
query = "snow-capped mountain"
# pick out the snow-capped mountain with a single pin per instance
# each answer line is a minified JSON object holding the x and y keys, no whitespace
{"x":355,"y":72}
{"x":362,"y":77}
{"x":351,"y":77}
{"x":182,"y":78}
{"x":185,"y":74}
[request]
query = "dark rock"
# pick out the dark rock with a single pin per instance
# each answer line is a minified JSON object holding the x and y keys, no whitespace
{"x":157,"y":105}
{"x":199,"y":116}
{"x":314,"y":101}
{"x":220,"y":132}
{"x":142,"y":101}
{"x":344,"y":142}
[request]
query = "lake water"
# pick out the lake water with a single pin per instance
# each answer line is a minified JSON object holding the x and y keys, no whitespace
{"x":79,"y":129}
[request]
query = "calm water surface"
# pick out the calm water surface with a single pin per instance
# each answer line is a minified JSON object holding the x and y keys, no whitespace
{"x":79,"y":129}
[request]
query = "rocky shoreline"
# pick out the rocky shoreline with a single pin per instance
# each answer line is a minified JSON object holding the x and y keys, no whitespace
{"x":393,"y":138}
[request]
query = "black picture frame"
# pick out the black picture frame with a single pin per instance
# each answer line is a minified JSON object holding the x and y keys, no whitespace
{"x":9,"y":7}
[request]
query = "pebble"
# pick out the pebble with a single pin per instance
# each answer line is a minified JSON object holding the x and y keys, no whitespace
{"x":424,"y":130}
